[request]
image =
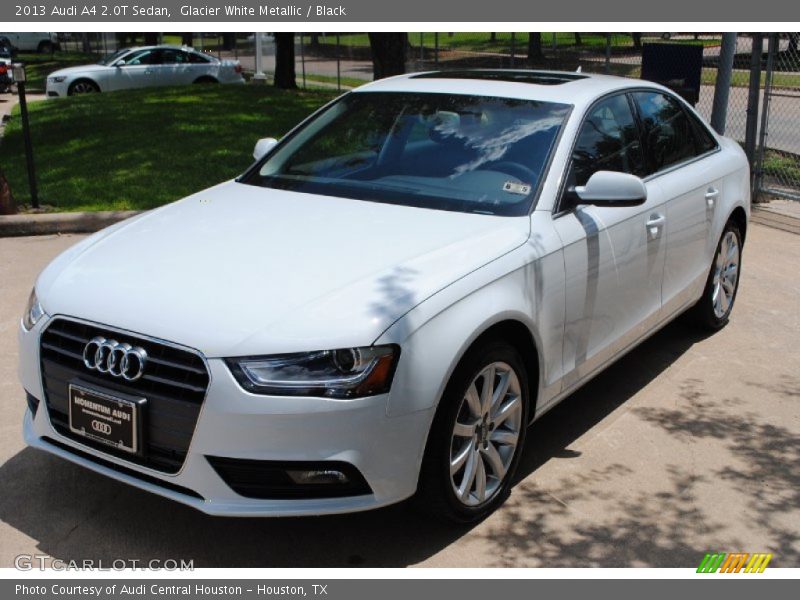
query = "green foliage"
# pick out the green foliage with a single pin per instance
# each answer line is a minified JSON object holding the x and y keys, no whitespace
{"x":143,"y":148}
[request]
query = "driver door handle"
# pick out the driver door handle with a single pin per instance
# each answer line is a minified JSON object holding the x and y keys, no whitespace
{"x":654,"y":225}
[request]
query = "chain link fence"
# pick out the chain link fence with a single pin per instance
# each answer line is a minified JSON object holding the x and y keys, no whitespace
{"x":344,"y":61}
{"x":778,"y":158}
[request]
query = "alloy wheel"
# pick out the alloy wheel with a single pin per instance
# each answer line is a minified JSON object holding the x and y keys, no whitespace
{"x":83,"y":87}
{"x":486,"y":434}
{"x":726,"y":274}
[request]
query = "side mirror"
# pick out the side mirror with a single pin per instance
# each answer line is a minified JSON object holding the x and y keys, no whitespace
{"x":120,"y":63}
{"x":612,"y":188}
{"x":263,"y":146}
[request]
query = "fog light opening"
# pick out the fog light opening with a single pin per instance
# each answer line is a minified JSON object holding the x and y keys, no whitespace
{"x":326,"y":477}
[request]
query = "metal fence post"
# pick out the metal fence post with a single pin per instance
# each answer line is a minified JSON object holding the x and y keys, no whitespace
{"x":436,"y":49}
{"x":338,"y":65}
{"x":719,"y":110}
{"x":513,"y":48}
{"x":762,"y":139}
{"x":751,"y":126}
{"x":303,"y":58}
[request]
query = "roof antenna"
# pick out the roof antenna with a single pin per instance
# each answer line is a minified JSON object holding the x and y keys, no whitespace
{"x":578,"y":70}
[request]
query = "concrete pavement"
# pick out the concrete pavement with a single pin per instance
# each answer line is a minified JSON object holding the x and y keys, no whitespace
{"x":689,"y":444}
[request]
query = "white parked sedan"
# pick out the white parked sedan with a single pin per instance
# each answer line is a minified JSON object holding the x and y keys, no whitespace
{"x":148,"y":66}
{"x":380,"y":306}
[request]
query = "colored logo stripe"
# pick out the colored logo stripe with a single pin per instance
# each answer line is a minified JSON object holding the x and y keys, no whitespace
{"x":734,"y":563}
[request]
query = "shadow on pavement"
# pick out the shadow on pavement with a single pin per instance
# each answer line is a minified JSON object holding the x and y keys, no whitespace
{"x":75,"y":514}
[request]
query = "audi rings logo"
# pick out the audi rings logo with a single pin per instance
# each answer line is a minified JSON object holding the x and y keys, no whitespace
{"x":113,"y":358}
{"x":101,"y":427}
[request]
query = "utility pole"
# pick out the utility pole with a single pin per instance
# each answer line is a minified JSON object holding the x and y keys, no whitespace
{"x":18,"y":71}
{"x":719,"y":110}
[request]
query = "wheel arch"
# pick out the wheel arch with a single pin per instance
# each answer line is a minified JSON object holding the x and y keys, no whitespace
{"x":83,"y":78}
{"x":739,"y":217}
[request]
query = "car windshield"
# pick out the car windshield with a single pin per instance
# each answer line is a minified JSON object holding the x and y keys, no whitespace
{"x":441,"y":151}
{"x":110,"y":58}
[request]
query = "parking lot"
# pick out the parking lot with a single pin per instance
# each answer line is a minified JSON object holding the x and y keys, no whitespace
{"x":687,"y":445}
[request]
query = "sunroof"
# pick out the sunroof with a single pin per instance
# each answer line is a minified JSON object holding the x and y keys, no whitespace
{"x":534,"y":77}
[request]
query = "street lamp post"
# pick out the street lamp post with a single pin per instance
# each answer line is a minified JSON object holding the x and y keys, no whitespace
{"x":18,"y":71}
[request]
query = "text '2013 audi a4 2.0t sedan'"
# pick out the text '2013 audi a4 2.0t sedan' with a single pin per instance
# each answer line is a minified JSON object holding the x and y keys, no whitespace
{"x":385,"y":300}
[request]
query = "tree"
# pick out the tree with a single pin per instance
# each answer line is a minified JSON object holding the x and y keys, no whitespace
{"x":285,"y":77}
{"x":388,"y":54}
{"x":637,"y":40}
{"x":578,"y":40}
{"x":535,"y":46}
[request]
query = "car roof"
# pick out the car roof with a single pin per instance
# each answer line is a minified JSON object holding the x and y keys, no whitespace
{"x":578,"y":89}
{"x":162,"y":46}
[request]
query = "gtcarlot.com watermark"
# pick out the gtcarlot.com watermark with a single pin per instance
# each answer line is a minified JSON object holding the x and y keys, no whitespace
{"x":43,"y":562}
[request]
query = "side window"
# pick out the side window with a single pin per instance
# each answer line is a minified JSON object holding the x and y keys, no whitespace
{"x":668,"y":134}
{"x":196,"y":58}
{"x":171,"y":57}
{"x":704,"y":141}
{"x":608,"y":141}
{"x":145,"y":57}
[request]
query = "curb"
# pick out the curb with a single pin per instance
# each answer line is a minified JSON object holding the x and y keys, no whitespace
{"x":54,"y":223}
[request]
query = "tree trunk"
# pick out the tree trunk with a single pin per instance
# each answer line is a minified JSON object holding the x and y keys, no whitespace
{"x":228,"y":41}
{"x":87,"y":47}
{"x":493,"y":37}
{"x":150,"y":38}
{"x":578,"y":40}
{"x":388,"y":54}
{"x":285,"y":76}
{"x":637,"y":40}
{"x":535,"y":46}
{"x":187,"y":39}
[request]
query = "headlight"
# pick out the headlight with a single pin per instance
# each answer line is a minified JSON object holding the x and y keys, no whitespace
{"x":33,"y":312}
{"x":345,"y":373}
{"x":58,"y":79}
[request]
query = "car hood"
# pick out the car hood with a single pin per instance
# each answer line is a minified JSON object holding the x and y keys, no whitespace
{"x":80,"y":70}
{"x":240,"y":270}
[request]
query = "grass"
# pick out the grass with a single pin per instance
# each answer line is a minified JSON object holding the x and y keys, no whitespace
{"x":143,"y":148}
{"x":39,"y":66}
{"x":782,"y":165}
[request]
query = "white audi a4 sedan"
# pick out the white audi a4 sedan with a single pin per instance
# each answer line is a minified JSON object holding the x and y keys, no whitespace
{"x":385,"y":300}
{"x":146,"y":66}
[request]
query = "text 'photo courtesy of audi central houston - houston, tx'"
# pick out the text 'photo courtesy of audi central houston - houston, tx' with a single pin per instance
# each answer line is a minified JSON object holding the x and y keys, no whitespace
{"x":385,"y":300}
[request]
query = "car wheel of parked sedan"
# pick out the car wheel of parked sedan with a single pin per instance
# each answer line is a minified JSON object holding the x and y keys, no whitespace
{"x":714,"y":308}
{"x":477,"y":435}
{"x":83,"y":86}
{"x":205,"y":79}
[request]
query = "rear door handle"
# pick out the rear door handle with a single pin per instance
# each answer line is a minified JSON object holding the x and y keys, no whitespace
{"x":711,"y":196}
{"x":654,"y":225}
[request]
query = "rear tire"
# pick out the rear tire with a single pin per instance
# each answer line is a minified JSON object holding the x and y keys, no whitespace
{"x":477,"y":435}
{"x":205,"y":79}
{"x":713,"y":310}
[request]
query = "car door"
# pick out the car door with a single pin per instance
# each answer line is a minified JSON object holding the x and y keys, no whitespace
{"x":613,"y":255}
{"x":174,"y":68}
{"x":682,"y":159}
{"x":138,"y":70}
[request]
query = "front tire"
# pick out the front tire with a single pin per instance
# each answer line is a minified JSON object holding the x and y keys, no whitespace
{"x":714,"y":308}
{"x":81,"y":87}
{"x":477,"y":435}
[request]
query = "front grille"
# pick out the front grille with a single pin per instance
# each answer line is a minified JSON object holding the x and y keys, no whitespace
{"x":174,"y":384}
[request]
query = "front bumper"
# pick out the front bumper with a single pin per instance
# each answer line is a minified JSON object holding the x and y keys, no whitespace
{"x":233,"y":423}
